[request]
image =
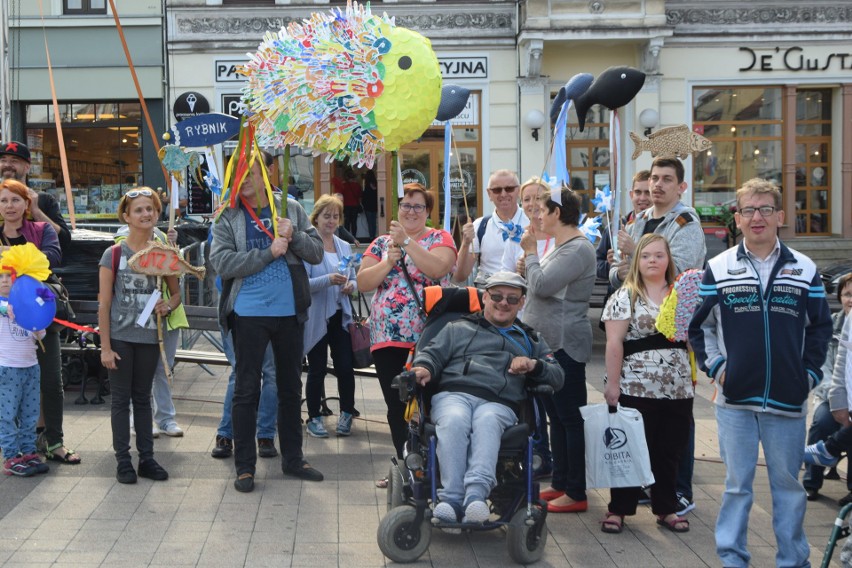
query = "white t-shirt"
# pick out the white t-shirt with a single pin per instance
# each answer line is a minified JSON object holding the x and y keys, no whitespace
{"x":493,"y":246}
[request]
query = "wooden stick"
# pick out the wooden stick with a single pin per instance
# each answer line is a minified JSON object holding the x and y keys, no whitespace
{"x":166,"y":367}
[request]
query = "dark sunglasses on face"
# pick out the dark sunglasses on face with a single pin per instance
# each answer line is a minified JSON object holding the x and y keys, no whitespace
{"x":137,"y":192}
{"x":512,"y":300}
{"x":500,"y":189}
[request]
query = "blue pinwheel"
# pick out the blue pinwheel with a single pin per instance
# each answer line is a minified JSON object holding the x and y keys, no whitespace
{"x":602,"y":199}
{"x":347,"y":262}
{"x":511,"y":231}
{"x":590,"y":226}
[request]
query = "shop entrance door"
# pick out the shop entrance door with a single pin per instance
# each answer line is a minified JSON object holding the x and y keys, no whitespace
{"x":423,"y":162}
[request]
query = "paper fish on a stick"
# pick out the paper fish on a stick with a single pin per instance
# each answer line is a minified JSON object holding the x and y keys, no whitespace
{"x":672,"y":141}
{"x":159,"y":259}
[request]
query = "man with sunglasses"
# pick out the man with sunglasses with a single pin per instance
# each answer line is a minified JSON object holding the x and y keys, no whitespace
{"x":264,"y":300}
{"x":761,"y":333}
{"x":481,"y":364}
{"x":484,"y":239}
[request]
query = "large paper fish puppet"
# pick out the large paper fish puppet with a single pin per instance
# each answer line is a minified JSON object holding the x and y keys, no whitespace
{"x":348,"y":83}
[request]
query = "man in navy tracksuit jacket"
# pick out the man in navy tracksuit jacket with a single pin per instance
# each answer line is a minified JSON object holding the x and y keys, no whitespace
{"x":761,"y":333}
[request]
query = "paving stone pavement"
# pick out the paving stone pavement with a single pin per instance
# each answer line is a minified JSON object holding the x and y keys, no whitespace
{"x":80,"y":516}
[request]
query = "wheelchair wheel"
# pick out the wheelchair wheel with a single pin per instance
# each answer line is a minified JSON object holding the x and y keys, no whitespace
{"x":526,"y":541}
{"x":395,"y":495}
{"x":399,"y":539}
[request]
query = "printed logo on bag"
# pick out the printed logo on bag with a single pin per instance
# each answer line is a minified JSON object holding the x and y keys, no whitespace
{"x":614,"y":438}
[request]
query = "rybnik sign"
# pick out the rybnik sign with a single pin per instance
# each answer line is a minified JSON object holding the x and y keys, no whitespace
{"x":793,"y":59}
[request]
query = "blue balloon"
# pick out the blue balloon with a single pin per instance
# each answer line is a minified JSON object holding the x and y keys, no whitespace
{"x":34,"y":303}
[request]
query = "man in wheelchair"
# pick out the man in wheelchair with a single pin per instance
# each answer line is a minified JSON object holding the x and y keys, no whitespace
{"x":480,"y":365}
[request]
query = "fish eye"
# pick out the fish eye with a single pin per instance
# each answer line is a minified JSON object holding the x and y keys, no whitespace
{"x":405,"y":62}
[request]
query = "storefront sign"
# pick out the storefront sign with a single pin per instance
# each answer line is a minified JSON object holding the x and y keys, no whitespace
{"x":226,"y":70}
{"x":232,"y":104}
{"x":190,"y":104}
{"x":205,"y":130}
{"x":459,"y":186}
{"x":793,"y":59}
{"x":463,"y":67}
{"x":413,"y":176}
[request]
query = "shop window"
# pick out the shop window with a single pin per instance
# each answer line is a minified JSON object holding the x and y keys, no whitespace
{"x":76,"y":7}
{"x":745,"y":126}
{"x":588,"y":154}
{"x":103,"y":149}
{"x":813,"y":148}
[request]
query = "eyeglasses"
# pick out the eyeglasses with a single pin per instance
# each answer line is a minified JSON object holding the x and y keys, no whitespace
{"x":765,"y":211}
{"x":409,"y":207}
{"x":137,"y":192}
{"x":500,"y":189}
{"x":512,"y":300}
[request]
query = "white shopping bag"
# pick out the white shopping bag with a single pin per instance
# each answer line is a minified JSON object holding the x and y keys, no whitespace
{"x":616,"y":450}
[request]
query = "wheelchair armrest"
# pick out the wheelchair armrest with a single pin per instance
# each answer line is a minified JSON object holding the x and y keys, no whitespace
{"x":406,"y":383}
{"x":542,"y":389}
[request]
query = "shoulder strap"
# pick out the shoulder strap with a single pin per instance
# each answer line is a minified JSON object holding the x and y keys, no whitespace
{"x":116,"y":259}
{"x":480,"y":232}
{"x":411,"y":286}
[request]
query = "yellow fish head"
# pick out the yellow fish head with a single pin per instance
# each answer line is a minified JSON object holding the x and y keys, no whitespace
{"x":412,"y":87}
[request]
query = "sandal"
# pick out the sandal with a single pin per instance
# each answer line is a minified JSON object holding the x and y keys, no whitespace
{"x":612,"y":523}
{"x":382,"y":483}
{"x":69,"y":457}
{"x":674,"y":524}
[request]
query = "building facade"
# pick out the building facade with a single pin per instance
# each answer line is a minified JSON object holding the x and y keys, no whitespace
{"x":767,"y":83}
{"x":107,"y":140}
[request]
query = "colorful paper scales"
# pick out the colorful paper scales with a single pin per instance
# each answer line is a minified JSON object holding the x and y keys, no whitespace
{"x":347,"y":83}
{"x":679,"y":305}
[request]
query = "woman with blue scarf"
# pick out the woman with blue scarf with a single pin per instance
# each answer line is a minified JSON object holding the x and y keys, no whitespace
{"x":332,"y":281}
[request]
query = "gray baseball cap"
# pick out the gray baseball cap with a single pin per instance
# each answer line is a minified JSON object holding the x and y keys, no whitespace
{"x":506,"y":278}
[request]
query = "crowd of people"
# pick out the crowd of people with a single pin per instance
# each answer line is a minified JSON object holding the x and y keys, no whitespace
{"x":286,"y":279}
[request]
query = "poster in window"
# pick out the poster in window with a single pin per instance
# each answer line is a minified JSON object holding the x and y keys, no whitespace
{"x":199,"y":195}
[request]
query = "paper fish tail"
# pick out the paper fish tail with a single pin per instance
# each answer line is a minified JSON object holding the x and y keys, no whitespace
{"x":639,"y":145}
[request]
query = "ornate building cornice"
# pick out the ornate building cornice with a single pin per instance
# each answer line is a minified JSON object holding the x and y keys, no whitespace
{"x":491,"y":22}
{"x":839,"y":14}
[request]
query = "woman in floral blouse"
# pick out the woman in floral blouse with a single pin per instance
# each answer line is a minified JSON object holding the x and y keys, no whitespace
{"x":653,"y":376}
{"x":396,"y":321}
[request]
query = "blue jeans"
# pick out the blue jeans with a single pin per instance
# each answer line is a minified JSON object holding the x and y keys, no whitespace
{"x":468,"y":429}
{"x":823,"y":426}
{"x":267,"y":409}
{"x":567,"y":442}
{"x":164,"y":407}
{"x":19,"y":407}
{"x":783,"y":440}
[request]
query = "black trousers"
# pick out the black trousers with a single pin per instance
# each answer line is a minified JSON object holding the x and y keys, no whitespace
{"x":132,"y":381}
{"x":251,"y":336}
{"x":389,"y":362}
{"x":52,"y":393}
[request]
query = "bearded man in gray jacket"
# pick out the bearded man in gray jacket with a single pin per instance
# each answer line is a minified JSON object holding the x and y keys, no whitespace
{"x":481,"y":364}
{"x":264,"y":300}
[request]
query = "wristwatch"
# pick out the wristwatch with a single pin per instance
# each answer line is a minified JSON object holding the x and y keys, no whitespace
{"x":406,"y":241}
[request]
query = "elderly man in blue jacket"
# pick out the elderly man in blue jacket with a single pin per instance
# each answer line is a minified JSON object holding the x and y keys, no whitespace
{"x":481,"y":364}
{"x":761,"y":333}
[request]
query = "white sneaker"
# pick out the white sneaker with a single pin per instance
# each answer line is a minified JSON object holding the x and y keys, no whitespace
{"x":172,"y":430}
{"x":155,"y":431}
{"x":446,"y":513}
{"x":476,"y":512}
